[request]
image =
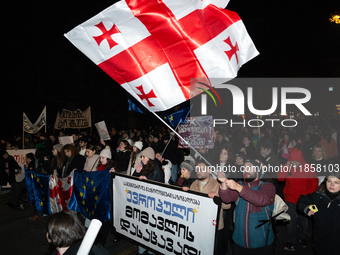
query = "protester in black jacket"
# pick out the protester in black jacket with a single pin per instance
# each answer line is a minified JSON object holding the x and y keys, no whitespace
{"x":172,"y":153}
{"x":19,"y":187}
{"x":65,"y":232}
{"x":152,"y":168}
{"x":327,"y":218}
{"x":8,"y":168}
{"x":188,"y":174}
{"x":73,"y":161}
{"x":43,"y":163}
{"x":122,"y":156}
{"x":45,"y":140}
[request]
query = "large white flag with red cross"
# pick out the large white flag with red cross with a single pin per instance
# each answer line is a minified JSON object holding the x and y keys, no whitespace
{"x":152,"y":48}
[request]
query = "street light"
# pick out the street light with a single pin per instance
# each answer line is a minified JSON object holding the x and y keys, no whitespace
{"x":335,"y":18}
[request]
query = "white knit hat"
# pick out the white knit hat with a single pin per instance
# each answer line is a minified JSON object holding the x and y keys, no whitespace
{"x":139,"y":145}
{"x":106,"y":153}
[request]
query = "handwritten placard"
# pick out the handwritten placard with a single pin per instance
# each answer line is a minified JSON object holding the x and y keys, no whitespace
{"x":102,"y":131}
{"x":198,"y":132}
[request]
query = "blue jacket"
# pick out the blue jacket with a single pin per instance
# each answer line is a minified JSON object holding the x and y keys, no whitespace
{"x":251,"y":207}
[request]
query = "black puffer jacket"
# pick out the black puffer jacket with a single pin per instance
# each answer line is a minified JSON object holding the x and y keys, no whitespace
{"x":326,"y":230}
{"x":96,"y":249}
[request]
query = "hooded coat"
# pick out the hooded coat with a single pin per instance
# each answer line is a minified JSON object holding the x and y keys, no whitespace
{"x":326,"y":221}
{"x":299,"y":181}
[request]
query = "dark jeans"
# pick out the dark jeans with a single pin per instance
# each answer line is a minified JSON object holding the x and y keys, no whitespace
{"x":14,"y":193}
{"x":104,"y":232}
{"x":265,"y":250}
{"x":291,"y":226}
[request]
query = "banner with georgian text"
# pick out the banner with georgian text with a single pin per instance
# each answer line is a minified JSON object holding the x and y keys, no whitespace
{"x":73,"y":119}
{"x":163,"y":217}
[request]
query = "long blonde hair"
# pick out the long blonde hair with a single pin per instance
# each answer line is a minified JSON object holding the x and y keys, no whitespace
{"x":324,"y":154}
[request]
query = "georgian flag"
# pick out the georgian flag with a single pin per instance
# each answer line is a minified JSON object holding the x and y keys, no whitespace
{"x":60,"y":192}
{"x":153,"y":48}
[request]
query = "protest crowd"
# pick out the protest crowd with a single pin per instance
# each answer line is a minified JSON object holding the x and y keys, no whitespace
{"x":248,"y":168}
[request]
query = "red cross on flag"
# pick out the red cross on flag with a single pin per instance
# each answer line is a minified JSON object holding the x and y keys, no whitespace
{"x":152,"y":48}
{"x":60,"y":192}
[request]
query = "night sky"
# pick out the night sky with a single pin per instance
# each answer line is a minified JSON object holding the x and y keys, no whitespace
{"x":294,"y":38}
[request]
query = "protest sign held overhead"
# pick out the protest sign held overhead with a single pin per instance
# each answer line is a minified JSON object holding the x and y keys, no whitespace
{"x":63,"y":140}
{"x":153,"y":48}
{"x":164,"y":218}
{"x":102,"y":131}
{"x":198,"y":132}
{"x":73,"y":119}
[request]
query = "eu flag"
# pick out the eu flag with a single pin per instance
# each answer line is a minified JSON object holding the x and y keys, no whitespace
{"x":28,"y":182}
{"x":91,"y":194}
{"x":133,"y":107}
{"x":179,"y":116}
{"x":37,"y":185}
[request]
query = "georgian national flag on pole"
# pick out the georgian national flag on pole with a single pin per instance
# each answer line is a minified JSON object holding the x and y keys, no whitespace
{"x":152,"y":48}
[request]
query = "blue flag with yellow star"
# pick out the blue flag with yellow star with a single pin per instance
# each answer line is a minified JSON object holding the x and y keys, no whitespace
{"x":91,"y":194}
{"x":178,"y":117}
{"x":133,"y":107}
{"x":38,"y":190}
{"x":28,"y":182}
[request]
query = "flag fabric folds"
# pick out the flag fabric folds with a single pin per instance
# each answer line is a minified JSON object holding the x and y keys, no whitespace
{"x":91,"y":194}
{"x":38,"y":190}
{"x":60,"y":192}
{"x":81,"y":191}
{"x":133,"y":107}
{"x":178,"y":117}
{"x":34,"y":128}
{"x":153,"y":48}
{"x":29,"y":186}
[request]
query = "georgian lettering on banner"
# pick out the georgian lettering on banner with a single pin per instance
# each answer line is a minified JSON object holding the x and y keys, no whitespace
{"x":73,"y":119}
{"x":164,"y":219}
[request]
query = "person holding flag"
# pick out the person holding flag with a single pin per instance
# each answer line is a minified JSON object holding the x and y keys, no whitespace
{"x":254,"y":201}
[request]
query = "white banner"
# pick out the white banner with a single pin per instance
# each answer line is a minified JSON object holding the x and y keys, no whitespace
{"x":20,"y":158}
{"x":102,"y":131}
{"x":63,"y":140}
{"x":34,"y":128}
{"x":163,"y":217}
{"x":73,"y":119}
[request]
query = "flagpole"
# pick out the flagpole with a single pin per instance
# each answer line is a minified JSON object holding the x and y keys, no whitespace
{"x":23,"y":131}
{"x":166,"y":146}
{"x":183,"y":139}
{"x":176,"y":129}
{"x":45,"y":119}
